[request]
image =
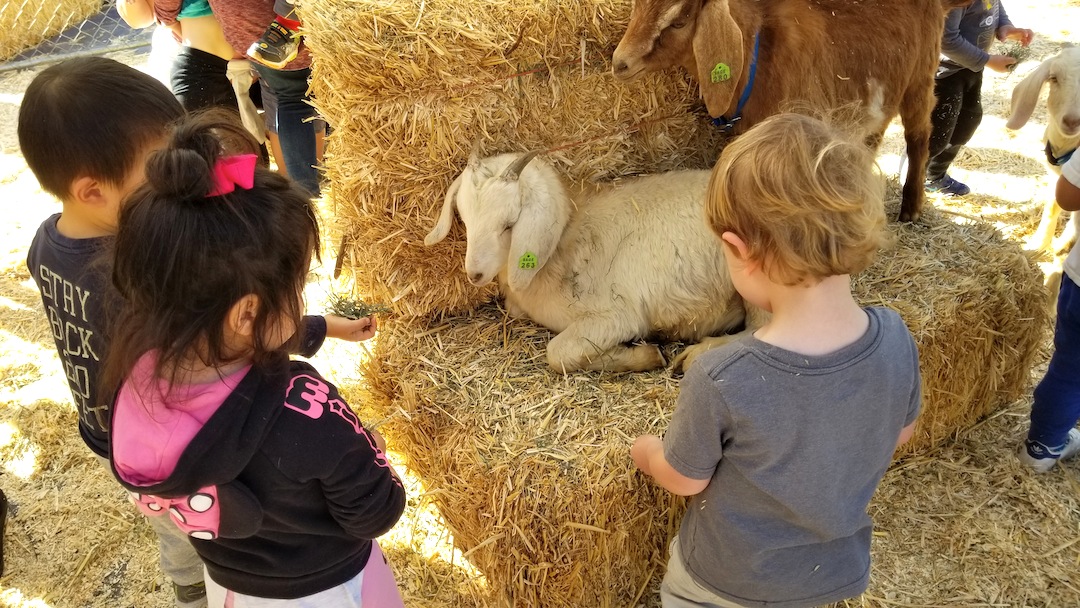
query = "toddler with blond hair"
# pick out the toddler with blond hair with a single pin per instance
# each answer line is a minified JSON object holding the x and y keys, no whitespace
{"x":780,"y":437}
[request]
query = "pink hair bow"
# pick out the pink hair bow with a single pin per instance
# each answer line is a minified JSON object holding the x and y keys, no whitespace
{"x":233,"y":171}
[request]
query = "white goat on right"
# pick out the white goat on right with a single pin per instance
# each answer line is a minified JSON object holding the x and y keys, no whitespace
{"x":1062,"y":136}
{"x":602,"y":266}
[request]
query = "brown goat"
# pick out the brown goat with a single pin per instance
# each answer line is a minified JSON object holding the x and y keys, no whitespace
{"x":879,"y":54}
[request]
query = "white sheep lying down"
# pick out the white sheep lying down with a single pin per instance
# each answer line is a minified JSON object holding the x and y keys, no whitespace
{"x":602,"y":266}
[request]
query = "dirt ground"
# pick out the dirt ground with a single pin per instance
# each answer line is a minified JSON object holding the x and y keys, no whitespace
{"x":962,"y":525}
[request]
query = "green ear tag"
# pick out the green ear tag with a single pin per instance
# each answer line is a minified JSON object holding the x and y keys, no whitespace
{"x":720,"y":73}
{"x":527,"y":261}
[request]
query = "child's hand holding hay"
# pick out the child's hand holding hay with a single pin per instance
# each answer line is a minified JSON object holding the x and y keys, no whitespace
{"x":1016,"y":51}
{"x":352,"y":320}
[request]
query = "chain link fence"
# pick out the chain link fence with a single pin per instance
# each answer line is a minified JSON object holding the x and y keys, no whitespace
{"x":33,"y":32}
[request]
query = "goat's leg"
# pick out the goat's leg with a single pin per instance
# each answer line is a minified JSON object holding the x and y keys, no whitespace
{"x":915,"y":109}
{"x":598,"y":346}
{"x":755,"y":318}
{"x":1044,"y":234}
{"x":1064,"y":242}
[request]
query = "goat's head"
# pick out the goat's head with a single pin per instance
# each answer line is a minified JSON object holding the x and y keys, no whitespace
{"x":1062,"y":71}
{"x":511,"y":218}
{"x":699,"y":35}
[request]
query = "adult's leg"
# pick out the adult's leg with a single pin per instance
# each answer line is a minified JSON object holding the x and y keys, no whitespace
{"x":294,"y":124}
{"x":1056,"y":407}
{"x":950,"y":98}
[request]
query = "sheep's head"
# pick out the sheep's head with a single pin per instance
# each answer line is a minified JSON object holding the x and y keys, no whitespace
{"x":505,"y":217}
{"x":1062,"y":71}
{"x":699,"y":35}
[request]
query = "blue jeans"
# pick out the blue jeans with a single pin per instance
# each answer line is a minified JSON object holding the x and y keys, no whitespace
{"x":293,"y":122}
{"x":1057,"y":398}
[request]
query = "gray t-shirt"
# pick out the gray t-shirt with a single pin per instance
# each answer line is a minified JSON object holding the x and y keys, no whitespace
{"x":794,"y":446}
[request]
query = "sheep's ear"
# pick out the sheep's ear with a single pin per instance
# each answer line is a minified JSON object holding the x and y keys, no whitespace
{"x":446,"y":216}
{"x":719,"y":55}
{"x":1026,"y":94}
{"x":534,"y":236}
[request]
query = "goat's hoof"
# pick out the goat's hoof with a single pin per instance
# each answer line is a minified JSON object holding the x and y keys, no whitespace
{"x":682,"y":361}
{"x":909,"y":216}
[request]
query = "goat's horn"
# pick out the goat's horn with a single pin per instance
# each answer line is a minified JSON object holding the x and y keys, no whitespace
{"x":514,"y":170}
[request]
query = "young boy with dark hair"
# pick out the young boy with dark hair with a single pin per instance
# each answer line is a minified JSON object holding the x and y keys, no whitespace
{"x":86,"y":126}
{"x":782,"y":436}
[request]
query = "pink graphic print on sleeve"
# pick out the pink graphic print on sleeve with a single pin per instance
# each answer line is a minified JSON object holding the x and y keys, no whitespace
{"x":199,"y":515}
{"x":311,"y":397}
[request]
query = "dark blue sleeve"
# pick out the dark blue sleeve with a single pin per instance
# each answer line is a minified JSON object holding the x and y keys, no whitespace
{"x":328,"y":443}
{"x":312,"y":335}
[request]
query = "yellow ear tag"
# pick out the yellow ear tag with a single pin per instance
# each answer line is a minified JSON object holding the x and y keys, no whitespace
{"x":720,"y":73}
{"x":527,"y":261}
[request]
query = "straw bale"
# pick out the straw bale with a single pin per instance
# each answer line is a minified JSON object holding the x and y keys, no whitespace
{"x":410,"y":86}
{"x":531,"y":468}
{"x":25,"y":23}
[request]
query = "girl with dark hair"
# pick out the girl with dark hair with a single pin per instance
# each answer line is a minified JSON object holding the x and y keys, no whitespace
{"x":258,"y":458}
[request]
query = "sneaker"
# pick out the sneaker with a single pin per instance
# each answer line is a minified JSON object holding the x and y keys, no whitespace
{"x":1042,"y":459}
{"x":277,"y":46}
{"x":947,"y":185}
{"x":190,"y":595}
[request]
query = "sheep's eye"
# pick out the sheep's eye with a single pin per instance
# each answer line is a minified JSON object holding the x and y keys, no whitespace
{"x":678,"y":25}
{"x":1052,"y":79}
{"x":507,"y":228}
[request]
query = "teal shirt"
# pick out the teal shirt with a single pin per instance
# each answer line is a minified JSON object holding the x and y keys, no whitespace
{"x":194,"y":8}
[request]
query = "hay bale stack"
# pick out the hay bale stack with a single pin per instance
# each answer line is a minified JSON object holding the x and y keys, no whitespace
{"x":410,"y":86}
{"x":25,"y":23}
{"x":531,"y":468}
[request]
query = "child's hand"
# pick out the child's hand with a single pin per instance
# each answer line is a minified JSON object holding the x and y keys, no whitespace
{"x":1000,"y":63}
{"x":642,"y":451}
{"x":379,"y":441}
{"x":350,"y":330}
{"x":1024,"y":36}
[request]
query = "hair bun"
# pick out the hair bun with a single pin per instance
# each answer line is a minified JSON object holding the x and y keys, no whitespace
{"x":179,"y":173}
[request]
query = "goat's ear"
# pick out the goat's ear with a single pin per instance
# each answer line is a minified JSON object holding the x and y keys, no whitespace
{"x":534,"y":237}
{"x":718,"y":54}
{"x":446,"y":216}
{"x":1026,"y":94}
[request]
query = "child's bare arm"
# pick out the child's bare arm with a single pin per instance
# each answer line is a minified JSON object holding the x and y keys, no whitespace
{"x":1068,"y":195}
{"x":136,"y":13}
{"x":648,"y":455}
{"x":905,"y":434}
{"x":350,"y":330}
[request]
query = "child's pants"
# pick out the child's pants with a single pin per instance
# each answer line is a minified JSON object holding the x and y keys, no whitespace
{"x":374,"y":587}
{"x":680,"y":590}
{"x":177,"y":557}
{"x":955,"y":117}
{"x":1057,"y":398}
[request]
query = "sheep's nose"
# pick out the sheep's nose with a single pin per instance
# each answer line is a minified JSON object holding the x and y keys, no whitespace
{"x":476,"y":278}
{"x":1071,"y":122}
{"x":620,"y":67}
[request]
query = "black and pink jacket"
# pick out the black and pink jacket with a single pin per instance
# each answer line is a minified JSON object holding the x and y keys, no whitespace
{"x":269,"y":471}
